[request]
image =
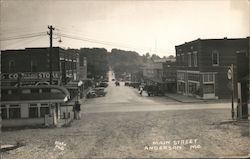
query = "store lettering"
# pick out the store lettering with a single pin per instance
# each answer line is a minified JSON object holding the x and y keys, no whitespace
{"x":28,"y":75}
{"x":13,"y":76}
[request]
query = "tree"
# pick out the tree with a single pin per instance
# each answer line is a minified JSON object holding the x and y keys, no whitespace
{"x":97,"y":61}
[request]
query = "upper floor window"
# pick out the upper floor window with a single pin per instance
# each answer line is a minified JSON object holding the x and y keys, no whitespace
{"x":178,"y":58}
{"x":11,"y":66}
{"x":215,"y":58}
{"x":189,"y":59}
{"x":182,"y":58}
{"x":33,"y":65}
{"x":195,"y":59}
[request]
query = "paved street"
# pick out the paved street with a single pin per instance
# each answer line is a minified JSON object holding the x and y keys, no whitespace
{"x":127,"y":99}
{"x":125,"y":125}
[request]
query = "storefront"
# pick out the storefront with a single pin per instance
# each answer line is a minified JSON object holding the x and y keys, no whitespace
{"x":196,"y":84}
{"x":32,"y":105}
{"x":208,"y":85}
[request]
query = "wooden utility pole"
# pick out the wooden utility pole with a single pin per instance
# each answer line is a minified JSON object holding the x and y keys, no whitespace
{"x":232,"y":69}
{"x":50,"y":33}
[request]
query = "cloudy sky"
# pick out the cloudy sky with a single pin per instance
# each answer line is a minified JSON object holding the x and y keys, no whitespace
{"x":138,"y":25}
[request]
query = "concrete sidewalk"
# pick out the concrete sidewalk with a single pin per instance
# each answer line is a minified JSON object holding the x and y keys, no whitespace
{"x":188,"y":99}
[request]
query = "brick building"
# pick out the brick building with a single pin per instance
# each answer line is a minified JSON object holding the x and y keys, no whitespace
{"x":169,"y":76}
{"x":25,"y":78}
{"x":202,"y":66}
{"x":31,"y":65}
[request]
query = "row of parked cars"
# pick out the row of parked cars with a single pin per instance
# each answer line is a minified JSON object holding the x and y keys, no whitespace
{"x":132,"y":84}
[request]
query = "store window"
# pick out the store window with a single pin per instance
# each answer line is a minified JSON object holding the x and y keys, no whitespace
{"x":33,"y":111}
{"x":208,"y":88}
{"x":194,"y":77}
{"x":4,"y":111}
{"x":44,"y":109}
{"x":208,"y":78}
{"x":14,"y":111}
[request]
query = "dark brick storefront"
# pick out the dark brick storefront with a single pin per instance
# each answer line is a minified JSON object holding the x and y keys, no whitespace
{"x":202,"y":66}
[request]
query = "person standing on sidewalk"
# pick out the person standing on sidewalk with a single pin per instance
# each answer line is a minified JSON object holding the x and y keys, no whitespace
{"x":141,"y":90}
{"x":77,"y":110}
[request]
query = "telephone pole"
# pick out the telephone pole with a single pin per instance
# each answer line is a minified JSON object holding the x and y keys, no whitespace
{"x":50,"y":33}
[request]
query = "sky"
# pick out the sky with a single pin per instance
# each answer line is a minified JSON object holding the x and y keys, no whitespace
{"x":144,"y":26}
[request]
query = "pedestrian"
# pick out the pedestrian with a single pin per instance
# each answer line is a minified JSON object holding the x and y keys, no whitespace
{"x":77,"y":110}
{"x":141,"y":90}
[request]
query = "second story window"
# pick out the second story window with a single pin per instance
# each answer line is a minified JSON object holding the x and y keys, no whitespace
{"x":178,"y":59}
{"x":215,"y":58}
{"x":33,"y":65}
{"x":182,"y":58}
{"x":195,"y":59}
{"x":189,"y":59}
{"x":11,"y":66}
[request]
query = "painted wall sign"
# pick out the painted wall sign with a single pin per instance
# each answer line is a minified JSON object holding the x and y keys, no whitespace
{"x":29,"y":75}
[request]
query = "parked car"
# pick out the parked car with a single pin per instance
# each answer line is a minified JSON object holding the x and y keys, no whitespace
{"x":127,"y":83}
{"x":100,"y":91}
{"x":103,"y":84}
{"x":105,"y":80}
{"x":96,"y":92}
{"x":117,"y":83}
{"x":153,"y":90}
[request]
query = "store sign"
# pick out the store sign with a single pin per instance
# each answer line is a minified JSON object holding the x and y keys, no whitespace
{"x":29,"y":76}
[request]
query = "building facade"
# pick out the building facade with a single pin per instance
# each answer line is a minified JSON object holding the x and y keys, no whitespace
{"x":24,"y":75}
{"x":202,"y":66}
{"x":152,"y":72}
{"x":32,"y":65}
{"x":169,"y":76}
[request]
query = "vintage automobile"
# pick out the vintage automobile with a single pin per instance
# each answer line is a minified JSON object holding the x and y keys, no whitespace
{"x":103,"y":84}
{"x":117,"y":83}
{"x":153,"y":90}
{"x":97,"y":92}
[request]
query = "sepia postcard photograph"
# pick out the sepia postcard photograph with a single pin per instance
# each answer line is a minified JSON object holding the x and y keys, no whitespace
{"x":113,"y":79}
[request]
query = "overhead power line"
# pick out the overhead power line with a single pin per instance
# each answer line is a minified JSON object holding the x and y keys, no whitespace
{"x":99,"y":41}
{"x":23,"y":42}
{"x":24,"y":36}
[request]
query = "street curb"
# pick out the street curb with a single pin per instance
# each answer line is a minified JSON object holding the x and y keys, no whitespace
{"x":198,"y":100}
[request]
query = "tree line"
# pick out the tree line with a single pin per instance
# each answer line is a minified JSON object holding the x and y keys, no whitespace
{"x":99,"y":60}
